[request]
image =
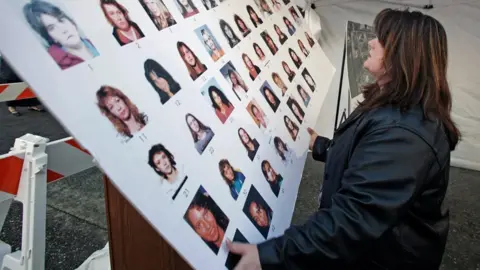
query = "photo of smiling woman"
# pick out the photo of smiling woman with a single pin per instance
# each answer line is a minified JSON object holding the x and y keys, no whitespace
{"x":124,"y":29}
{"x":254,"y":16}
{"x":296,"y":109}
{"x":308,"y":78}
{"x":242,"y":26}
{"x":291,"y":127}
{"x":281,"y":36}
{"x":259,"y":52}
{"x":221,"y":104}
{"x":253,"y":70}
{"x":279,"y":82}
{"x":194,"y":66}
{"x":258,"y":211}
{"x":121,"y":112}
{"x":64,"y":41}
{"x":286,"y":155}
{"x":187,"y":8}
{"x":289,"y":25}
{"x":162,"y":161}
{"x":290,"y":73}
{"x":207,"y":219}
{"x":229,"y":34}
{"x":274,"y":179}
{"x":269,"y":41}
{"x":251,"y":145}
{"x":201,"y":134}
{"x":270,"y":97}
{"x":305,"y":96}
{"x":163,"y":83}
{"x":294,"y":56}
{"x":158,"y":13}
{"x":232,"y":177}
{"x":257,"y":114}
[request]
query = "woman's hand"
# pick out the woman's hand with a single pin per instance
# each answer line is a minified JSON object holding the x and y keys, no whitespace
{"x":250,"y":259}
{"x":313,"y":137}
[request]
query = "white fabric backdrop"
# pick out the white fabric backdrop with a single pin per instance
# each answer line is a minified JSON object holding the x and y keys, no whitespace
{"x":461,"y":20}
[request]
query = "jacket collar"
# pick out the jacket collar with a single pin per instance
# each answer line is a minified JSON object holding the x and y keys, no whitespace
{"x":350,"y":120}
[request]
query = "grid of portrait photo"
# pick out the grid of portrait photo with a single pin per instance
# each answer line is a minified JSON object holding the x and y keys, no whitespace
{"x":197,"y":109}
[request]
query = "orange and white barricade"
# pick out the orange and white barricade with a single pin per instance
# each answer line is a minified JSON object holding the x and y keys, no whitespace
{"x":15,"y":91}
{"x":24,"y":173}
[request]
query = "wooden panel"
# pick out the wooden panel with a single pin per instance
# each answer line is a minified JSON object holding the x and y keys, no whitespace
{"x":134,"y":244}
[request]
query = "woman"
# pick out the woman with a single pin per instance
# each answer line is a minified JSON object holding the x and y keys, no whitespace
{"x":187,"y":8}
{"x":295,"y":16}
{"x":281,"y":36}
{"x":382,"y":206}
{"x":276,"y":5}
{"x":271,"y":98}
{"x":227,"y":31}
{"x":296,"y":60}
{"x":258,"y":116}
{"x":221,"y":104}
{"x":233,"y":178}
{"x":210,"y":43}
{"x":162,"y":161}
{"x":159,"y":13}
{"x":273,"y":178}
{"x":259,"y":52}
{"x":254,"y":16}
{"x":242,"y":26}
{"x":253,"y":70}
{"x":305,"y":96}
{"x":289,"y":25}
{"x":264,"y":7}
{"x":269,"y":41}
{"x":201,"y":134}
{"x":64,"y":42}
{"x":296,"y":109}
{"x":163,"y":83}
{"x":290,"y":73}
{"x":251,"y":145}
{"x":302,"y":48}
{"x":311,"y":42}
{"x":194,"y":66}
{"x":121,"y":112}
{"x":209,"y":4}
{"x":283,"y":151}
{"x":311,"y":83}
{"x":238,"y":85}
{"x":291,"y":127}
{"x":125,"y":30}
{"x":279,"y":82}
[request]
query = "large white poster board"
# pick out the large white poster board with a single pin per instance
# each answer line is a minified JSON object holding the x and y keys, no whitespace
{"x":197,"y":110}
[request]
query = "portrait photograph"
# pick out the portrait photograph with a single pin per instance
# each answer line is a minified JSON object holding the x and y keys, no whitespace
{"x":259,"y":52}
{"x":309,"y":80}
{"x":209,"y":4}
{"x":187,"y":8}
{"x":241,"y":25}
{"x":296,"y":109}
{"x":258,"y":212}
{"x":295,"y":16}
{"x":194,"y":65}
{"x":124,"y":30}
{"x":311,"y":42}
{"x":233,"y":259}
{"x":229,"y":33}
{"x":285,"y":153}
{"x":288,"y":71}
{"x":232,"y":177}
{"x":250,"y":143}
{"x":274,"y":179}
{"x":123,"y":114}
{"x":297,"y":61}
{"x":264,"y":7}
{"x":217,"y":99}
{"x":304,"y":95}
{"x":158,"y":13}
{"x":291,"y":126}
{"x":59,"y":33}
{"x":277,"y":79}
{"x":254,"y":18}
{"x":238,"y":85}
{"x":253,"y":70}
{"x":161,"y":80}
{"x":269,"y":42}
{"x":257,"y":114}
{"x":201,"y":133}
{"x":272,"y":99}
{"x":301,"y":10}
{"x":276,"y":5}
{"x":302,"y":48}
{"x":209,"y":42}
{"x":290,"y":27}
{"x":207,"y":219}
{"x":171,"y":175}
{"x":282,"y":37}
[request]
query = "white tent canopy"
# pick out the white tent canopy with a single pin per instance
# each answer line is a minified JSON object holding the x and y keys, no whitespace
{"x":461,"y":20}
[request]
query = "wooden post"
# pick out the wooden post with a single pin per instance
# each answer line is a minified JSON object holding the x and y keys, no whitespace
{"x":134,"y":244}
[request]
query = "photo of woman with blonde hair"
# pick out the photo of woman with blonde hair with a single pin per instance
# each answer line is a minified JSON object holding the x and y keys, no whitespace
{"x":194,"y":66}
{"x":122,"y":113}
{"x":159,"y":13}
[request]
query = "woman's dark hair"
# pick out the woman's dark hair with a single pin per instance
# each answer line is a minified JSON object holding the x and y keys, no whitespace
{"x":191,"y":70}
{"x":300,"y":89}
{"x":222,"y":96}
{"x":116,"y":4}
{"x":231,"y":41}
{"x":265,"y":162}
{"x":155,"y":150}
{"x":245,"y":56}
{"x":33,"y":11}
{"x":250,"y":10}
{"x":212,"y":2}
{"x":221,"y":165}
{"x":277,"y":101}
{"x":255,"y":46}
{"x":284,"y":64}
{"x":248,"y":135}
{"x":290,"y":103}
{"x":237,"y":22}
{"x":415,"y":60}
{"x":277,"y":141}
{"x":293,"y":123}
{"x":151,"y":65}
{"x":183,"y":9}
{"x":200,"y":125}
{"x":297,"y":63}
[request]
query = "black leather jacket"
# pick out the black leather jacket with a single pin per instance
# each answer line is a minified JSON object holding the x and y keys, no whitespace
{"x":386,"y":175}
